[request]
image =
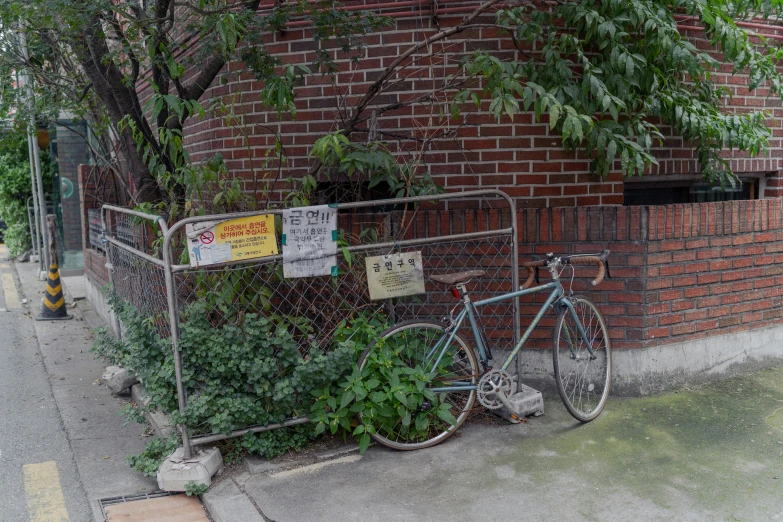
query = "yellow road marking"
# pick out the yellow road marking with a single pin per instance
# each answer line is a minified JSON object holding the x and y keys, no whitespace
{"x":5,"y":265}
{"x":45,"y":500}
{"x":9,"y":289}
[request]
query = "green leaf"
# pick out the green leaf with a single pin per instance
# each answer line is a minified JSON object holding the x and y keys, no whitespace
{"x":446,"y":415}
{"x":348,"y":396}
{"x":364,"y":443}
{"x":554,"y":115}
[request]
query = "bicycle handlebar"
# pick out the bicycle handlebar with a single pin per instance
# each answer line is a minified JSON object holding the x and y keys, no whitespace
{"x":602,"y":260}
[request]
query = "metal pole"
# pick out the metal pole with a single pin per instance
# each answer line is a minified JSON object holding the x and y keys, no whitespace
{"x":174,"y":325}
{"x":36,"y":210}
{"x":36,"y":157}
{"x":35,"y":222}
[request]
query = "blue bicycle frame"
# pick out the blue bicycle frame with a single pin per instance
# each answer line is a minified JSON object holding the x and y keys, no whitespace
{"x":555,"y":298}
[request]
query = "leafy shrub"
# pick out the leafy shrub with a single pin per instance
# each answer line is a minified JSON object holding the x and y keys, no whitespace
{"x":388,"y":394}
{"x":248,"y":370}
{"x":15,"y":189}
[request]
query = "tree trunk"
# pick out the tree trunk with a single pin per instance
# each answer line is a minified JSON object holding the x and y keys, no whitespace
{"x":120,"y":101}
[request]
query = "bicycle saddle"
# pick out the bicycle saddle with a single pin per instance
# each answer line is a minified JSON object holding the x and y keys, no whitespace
{"x":459,"y":277}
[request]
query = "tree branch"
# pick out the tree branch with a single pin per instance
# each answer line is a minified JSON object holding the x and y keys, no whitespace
{"x":375,"y":88}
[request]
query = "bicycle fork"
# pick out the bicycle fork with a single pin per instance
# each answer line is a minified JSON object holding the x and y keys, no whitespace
{"x":570,"y":306}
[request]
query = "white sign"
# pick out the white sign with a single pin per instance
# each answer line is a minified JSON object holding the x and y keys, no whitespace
{"x":309,"y":241}
{"x":395,"y":275}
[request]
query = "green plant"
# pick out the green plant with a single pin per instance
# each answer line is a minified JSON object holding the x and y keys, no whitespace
{"x":241,"y":370}
{"x":15,"y":189}
{"x":386,"y":392}
{"x":155,"y":452}
{"x":191,"y":488}
{"x":132,"y":412}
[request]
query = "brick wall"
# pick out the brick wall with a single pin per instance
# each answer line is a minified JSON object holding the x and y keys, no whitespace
{"x":97,"y":186}
{"x":521,"y":157}
{"x":679,"y":272}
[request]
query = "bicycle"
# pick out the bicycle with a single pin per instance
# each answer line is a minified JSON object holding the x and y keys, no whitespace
{"x":581,"y":355}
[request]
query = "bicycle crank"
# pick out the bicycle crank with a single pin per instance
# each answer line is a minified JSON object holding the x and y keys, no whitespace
{"x":493,"y":390}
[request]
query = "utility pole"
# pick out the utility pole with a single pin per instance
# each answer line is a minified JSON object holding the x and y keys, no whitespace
{"x":35,"y":235}
{"x":33,"y":144}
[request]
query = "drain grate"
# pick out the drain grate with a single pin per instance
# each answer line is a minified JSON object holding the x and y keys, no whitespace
{"x":110,"y":501}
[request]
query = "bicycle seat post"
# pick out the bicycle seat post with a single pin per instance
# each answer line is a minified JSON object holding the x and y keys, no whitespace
{"x":459,"y":291}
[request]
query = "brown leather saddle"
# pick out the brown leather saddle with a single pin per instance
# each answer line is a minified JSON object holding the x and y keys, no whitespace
{"x":459,"y":277}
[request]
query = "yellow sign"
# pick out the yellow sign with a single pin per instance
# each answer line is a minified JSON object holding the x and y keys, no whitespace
{"x":210,"y":242}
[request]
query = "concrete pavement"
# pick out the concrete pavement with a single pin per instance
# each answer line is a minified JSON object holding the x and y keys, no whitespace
{"x":54,"y":409}
{"x":39,"y":478}
{"x":714,"y":452}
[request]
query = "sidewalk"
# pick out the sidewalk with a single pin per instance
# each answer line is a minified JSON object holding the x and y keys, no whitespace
{"x":89,"y":412}
{"x":710,"y":453}
{"x":714,"y":452}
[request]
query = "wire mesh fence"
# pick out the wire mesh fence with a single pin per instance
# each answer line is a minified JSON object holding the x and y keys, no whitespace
{"x":453,"y":233}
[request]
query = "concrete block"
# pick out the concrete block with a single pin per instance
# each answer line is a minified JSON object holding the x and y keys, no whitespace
{"x":527,"y":402}
{"x":176,"y":471}
{"x":118,"y":379}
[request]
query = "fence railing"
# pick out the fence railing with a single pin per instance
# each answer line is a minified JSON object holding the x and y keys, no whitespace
{"x":453,"y":232}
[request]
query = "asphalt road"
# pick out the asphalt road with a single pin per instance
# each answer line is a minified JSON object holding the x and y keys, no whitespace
{"x":39,"y":481}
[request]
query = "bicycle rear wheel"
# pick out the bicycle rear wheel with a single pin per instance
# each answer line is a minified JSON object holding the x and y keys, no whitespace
{"x":416,"y":343}
{"x":583,"y":380}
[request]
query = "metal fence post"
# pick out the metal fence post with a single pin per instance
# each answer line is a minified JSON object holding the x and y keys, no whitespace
{"x":174,"y":325}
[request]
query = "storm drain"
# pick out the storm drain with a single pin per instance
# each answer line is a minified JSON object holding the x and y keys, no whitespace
{"x":156,"y":506}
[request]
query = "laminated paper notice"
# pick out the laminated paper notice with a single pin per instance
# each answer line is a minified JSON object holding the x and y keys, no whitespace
{"x":395,"y":275}
{"x":309,"y":241}
{"x":212,"y":242}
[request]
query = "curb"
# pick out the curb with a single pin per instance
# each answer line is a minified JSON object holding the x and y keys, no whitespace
{"x":225,"y":502}
{"x":158,"y":420}
{"x":259,"y":465}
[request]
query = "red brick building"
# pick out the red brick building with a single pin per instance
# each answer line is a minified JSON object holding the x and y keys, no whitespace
{"x":696,"y":270}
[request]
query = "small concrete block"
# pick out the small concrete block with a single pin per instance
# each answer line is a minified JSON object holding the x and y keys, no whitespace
{"x":177,"y":471}
{"x":118,"y":379}
{"x":527,"y":402}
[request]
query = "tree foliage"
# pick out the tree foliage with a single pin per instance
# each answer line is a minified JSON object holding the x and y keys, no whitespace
{"x":608,"y":73}
{"x":605,"y":75}
{"x":16,"y":188}
{"x":98,"y":58}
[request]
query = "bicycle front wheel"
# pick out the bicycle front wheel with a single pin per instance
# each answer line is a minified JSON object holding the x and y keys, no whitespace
{"x":452,"y":372}
{"x":583,"y":379}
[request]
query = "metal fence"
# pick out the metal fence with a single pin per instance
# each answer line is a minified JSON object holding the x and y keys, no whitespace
{"x":454,"y":232}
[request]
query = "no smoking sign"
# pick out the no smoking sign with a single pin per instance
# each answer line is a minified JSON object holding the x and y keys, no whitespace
{"x":207,"y":237}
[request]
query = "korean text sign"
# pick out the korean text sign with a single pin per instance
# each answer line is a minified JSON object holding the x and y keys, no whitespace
{"x":309,"y":241}
{"x":213,"y":242}
{"x":395,"y":275}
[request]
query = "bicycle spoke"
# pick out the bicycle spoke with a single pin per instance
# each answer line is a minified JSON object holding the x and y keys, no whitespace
{"x":582,"y":361}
